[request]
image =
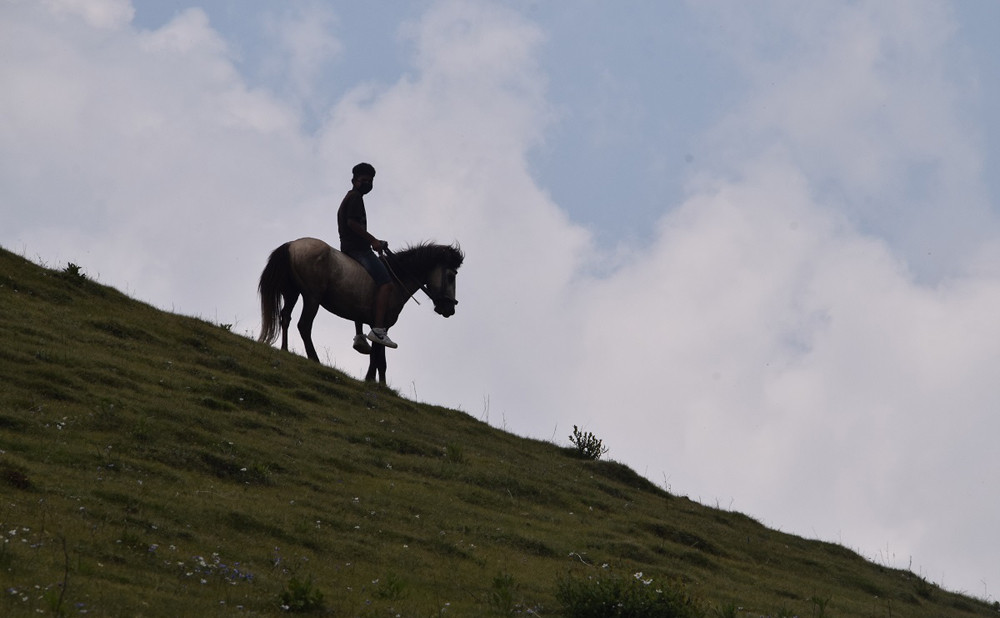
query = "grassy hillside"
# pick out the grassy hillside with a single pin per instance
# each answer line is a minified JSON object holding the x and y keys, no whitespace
{"x":158,"y":465}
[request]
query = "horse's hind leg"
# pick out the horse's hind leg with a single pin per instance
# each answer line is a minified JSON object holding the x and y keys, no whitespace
{"x":286,"y":317}
{"x":309,"y":310}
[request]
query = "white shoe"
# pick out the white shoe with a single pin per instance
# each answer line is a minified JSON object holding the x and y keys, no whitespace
{"x":378,"y":335}
{"x":361,"y":344}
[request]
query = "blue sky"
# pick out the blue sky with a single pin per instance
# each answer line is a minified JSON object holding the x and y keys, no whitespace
{"x":752,"y":246}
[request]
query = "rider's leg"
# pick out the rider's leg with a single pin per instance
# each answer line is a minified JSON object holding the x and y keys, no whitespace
{"x":378,"y":334}
{"x":381,"y":302}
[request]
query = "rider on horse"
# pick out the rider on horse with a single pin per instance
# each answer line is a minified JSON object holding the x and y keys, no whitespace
{"x":357,"y":242}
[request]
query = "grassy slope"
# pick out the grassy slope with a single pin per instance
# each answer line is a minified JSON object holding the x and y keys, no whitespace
{"x":158,"y":465}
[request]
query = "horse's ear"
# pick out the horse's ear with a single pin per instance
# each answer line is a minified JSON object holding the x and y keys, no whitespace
{"x":458,"y":256}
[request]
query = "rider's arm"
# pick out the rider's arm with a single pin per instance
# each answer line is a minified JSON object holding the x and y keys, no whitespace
{"x":362,"y":231}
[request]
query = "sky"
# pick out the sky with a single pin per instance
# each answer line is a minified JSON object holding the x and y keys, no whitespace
{"x":753,"y":247}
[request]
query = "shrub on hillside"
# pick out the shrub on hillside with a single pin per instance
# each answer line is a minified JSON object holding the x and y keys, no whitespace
{"x":611,"y":596}
{"x":588,"y":446}
{"x":301,"y":596}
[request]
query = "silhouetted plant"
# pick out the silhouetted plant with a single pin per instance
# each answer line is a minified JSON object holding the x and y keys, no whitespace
{"x":74,"y":271}
{"x":588,"y":446}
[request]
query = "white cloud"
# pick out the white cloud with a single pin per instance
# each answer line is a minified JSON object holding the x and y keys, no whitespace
{"x":107,"y":14}
{"x":303,"y":45}
{"x":865,"y":98}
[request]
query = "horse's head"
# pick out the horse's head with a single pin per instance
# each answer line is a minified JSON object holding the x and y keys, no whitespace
{"x":441,"y":289}
{"x":435,"y":268}
{"x":440,"y":282}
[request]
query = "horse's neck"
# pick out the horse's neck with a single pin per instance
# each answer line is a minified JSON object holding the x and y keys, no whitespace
{"x":411,"y":284}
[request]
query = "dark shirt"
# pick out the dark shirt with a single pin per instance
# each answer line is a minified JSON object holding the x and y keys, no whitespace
{"x":352,"y":208}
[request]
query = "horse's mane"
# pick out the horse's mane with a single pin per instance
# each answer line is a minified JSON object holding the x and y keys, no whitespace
{"x":425,"y":256}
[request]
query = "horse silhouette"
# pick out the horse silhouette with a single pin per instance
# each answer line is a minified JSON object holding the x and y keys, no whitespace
{"x":325,"y":277}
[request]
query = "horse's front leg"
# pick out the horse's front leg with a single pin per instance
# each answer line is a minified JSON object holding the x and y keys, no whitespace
{"x":376,"y":364}
{"x":381,"y":365}
{"x":372,"y":364}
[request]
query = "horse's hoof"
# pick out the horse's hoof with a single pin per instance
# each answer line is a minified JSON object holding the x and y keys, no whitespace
{"x":361,"y":344}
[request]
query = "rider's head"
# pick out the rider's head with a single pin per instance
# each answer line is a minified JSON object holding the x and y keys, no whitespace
{"x":364,"y":169}
{"x":364,"y":175}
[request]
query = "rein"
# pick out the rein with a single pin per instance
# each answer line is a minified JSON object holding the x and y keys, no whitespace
{"x":400,"y":281}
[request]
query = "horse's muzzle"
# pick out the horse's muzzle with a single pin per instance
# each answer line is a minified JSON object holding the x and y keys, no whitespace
{"x":445,"y":307}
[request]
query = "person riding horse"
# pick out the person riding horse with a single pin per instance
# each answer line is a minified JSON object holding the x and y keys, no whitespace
{"x":360,"y":244}
{"x":353,"y":283}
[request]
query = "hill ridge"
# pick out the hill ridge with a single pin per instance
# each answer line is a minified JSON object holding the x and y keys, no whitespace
{"x":156,"y":464}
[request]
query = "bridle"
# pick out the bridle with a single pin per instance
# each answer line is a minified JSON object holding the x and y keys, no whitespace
{"x":422,"y":286}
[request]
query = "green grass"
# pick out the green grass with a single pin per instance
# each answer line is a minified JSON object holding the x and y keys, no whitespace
{"x":158,"y":465}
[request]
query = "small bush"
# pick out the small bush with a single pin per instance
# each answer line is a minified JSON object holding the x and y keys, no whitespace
{"x":454,"y":453}
{"x":15,"y":476}
{"x":301,"y":596}
{"x":73,"y":272}
{"x":611,"y":596}
{"x":390,"y":587}
{"x":924,"y":589}
{"x":588,"y":446}
{"x":821,"y":604}
{"x":501,"y":594}
{"x":727,"y":610}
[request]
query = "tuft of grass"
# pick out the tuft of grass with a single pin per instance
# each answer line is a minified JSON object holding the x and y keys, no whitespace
{"x":454,"y":453}
{"x":819,"y":605}
{"x":391,"y":587}
{"x":501,"y":596}
{"x":73,"y":271}
{"x":300,"y":596}
{"x":608,"y":595}
{"x":15,"y":476}
{"x":726,"y":610}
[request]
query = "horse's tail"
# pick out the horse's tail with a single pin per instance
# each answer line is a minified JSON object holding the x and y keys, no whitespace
{"x":274,"y":282}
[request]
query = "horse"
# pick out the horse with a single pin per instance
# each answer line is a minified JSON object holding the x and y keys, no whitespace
{"x":328,"y":278}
